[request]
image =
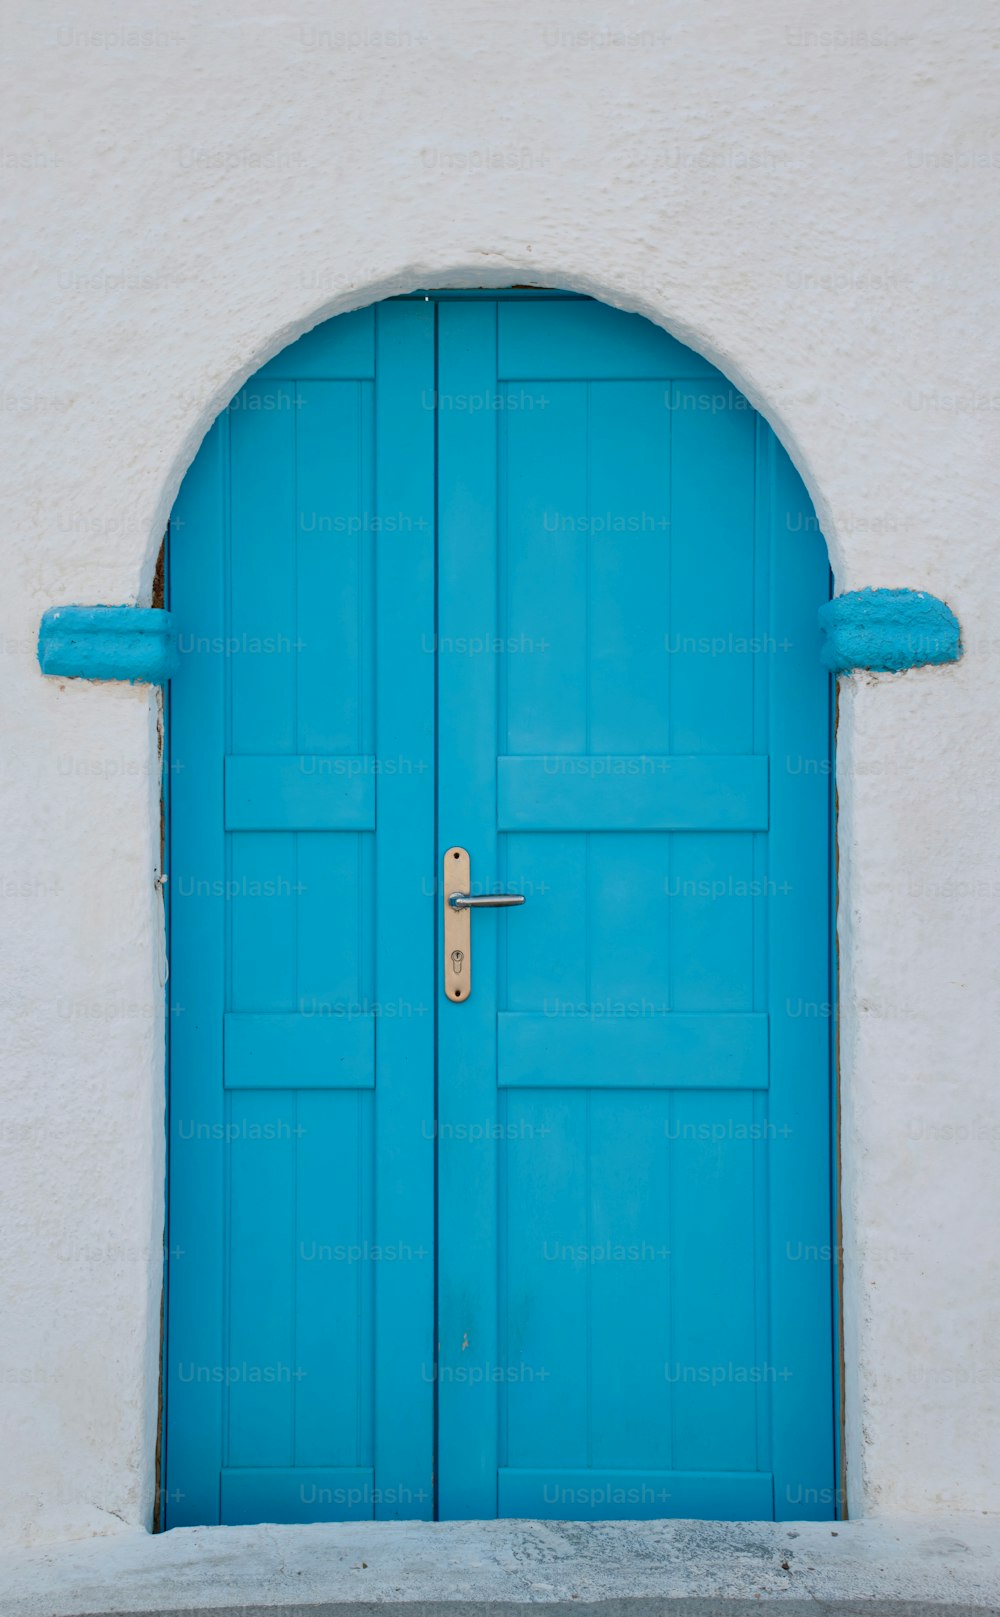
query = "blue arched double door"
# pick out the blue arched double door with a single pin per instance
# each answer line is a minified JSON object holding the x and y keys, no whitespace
{"x":520,"y":575}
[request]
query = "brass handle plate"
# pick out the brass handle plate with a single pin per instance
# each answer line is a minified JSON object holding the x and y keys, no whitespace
{"x":457,"y":879}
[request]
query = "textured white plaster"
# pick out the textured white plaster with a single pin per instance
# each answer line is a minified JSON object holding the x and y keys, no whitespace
{"x":806,"y":197}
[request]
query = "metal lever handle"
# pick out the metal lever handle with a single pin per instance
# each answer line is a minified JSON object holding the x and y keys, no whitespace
{"x":488,"y":901}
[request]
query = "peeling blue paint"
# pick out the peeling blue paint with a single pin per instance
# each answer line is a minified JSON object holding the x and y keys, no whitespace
{"x":108,"y":642}
{"x":888,"y":630}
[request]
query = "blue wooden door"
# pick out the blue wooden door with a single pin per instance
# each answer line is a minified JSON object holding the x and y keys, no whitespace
{"x":634,"y":1102}
{"x":301,"y":1278}
{"x":544,"y":588}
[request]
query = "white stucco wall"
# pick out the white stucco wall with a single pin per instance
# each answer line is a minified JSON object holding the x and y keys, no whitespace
{"x":808,"y":199}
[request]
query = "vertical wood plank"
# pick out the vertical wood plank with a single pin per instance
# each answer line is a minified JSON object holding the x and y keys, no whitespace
{"x":544,"y":557}
{"x":333,"y":1244}
{"x":629,"y":544}
{"x":404,"y":910}
{"x":468,"y":1331}
{"x":630,"y":1257}
{"x":546,"y":1282}
{"x":262,"y":1368}
{"x":197,"y":867}
{"x":335,"y":549}
{"x":802,"y":1258}
{"x":264,"y":628}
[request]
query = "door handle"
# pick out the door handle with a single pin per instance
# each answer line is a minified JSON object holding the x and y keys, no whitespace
{"x":458,"y":901}
{"x":489,"y":901}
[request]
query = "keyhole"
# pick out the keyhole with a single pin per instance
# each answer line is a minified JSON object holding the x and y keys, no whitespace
{"x":457,"y":962}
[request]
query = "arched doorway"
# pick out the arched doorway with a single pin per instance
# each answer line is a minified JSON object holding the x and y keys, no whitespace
{"x":523,"y":1212}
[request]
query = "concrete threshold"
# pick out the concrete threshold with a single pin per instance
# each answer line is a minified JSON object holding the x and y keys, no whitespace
{"x":893,"y":1567}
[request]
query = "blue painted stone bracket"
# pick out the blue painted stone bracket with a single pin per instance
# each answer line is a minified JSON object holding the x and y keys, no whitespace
{"x":108,"y":642}
{"x":888,"y":630}
{"x":884,"y":630}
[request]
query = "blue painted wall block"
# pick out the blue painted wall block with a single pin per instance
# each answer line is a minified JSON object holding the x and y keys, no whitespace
{"x":108,"y":642}
{"x":888,"y":630}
